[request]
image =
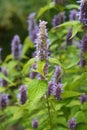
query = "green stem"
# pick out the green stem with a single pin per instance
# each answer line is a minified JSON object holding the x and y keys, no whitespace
{"x":49,"y":113}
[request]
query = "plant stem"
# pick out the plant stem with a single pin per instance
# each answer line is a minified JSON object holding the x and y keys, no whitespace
{"x":49,"y":113}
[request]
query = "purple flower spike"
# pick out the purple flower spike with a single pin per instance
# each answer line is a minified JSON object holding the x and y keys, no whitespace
{"x":50,"y":88}
{"x":83,"y":98}
{"x":23,"y":94}
{"x":42,"y":43}
{"x":72,"y":124}
{"x":57,"y":90}
{"x":5,"y":72}
{"x":32,"y":73}
{"x":16,"y":48}
{"x":3,"y":100}
{"x":58,"y":19}
{"x":35,"y":123}
{"x":57,"y":74}
{"x":84,"y":43}
{"x":73,"y":15}
{"x":68,"y":37}
{"x":83,"y":12}
{"x":32,"y":27}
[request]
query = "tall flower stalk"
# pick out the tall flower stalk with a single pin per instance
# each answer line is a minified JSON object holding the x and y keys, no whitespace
{"x":42,"y":44}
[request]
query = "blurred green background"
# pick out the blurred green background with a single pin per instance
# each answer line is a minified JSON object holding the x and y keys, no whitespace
{"x":13,"y":20}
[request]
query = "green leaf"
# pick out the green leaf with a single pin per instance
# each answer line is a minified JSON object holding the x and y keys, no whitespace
{"x":27,"y":65}
{"x":27,"y":44}
{"x":44,"y":9}
{"x":55,"y":61}
{"x":68,"y":94}
{"x":80,"y":117}
{"x":36,"y":90}
{"x":40,"y":67}
{"x":69,"y":24}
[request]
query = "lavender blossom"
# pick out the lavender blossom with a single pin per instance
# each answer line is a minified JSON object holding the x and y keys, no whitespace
{"x":73,"y":15}
{"x":57,"y":90}
{"x":83,"y":12}
{"x":68,"y":38}
{"x":32,"y":27}
{"x":57,"y":74}
{"x":23,"y":94}
{"x":32,"y":73}
{"x":50,"y":88}
{"x":72,"y":124}
{"x":84,"y":43}
{"x":83,"y":98}
{"x":3,"y":100}
{"x":42,"y":44}
{"x":16,"y":48}
{"x":58,"y":19}
{"x":35,"y":123}
{"x":5,"y":72}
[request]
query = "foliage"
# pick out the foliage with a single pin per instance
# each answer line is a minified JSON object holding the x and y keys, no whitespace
{"x":52,"y":113}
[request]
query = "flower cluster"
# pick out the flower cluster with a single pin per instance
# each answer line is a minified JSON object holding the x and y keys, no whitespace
{"x":58,"y":19}
{"x":42,"y":43}
{"x":55,"y":86}
{"x":16,"y":48}
{"x":32,"y":27}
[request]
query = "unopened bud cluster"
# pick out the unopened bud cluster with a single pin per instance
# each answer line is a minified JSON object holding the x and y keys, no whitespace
{"x":22,"y":94}
{"x":55,"y":86}
{"x":58,"y":19}
{"x":16,"y":48}
{"x":32,"y":27}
